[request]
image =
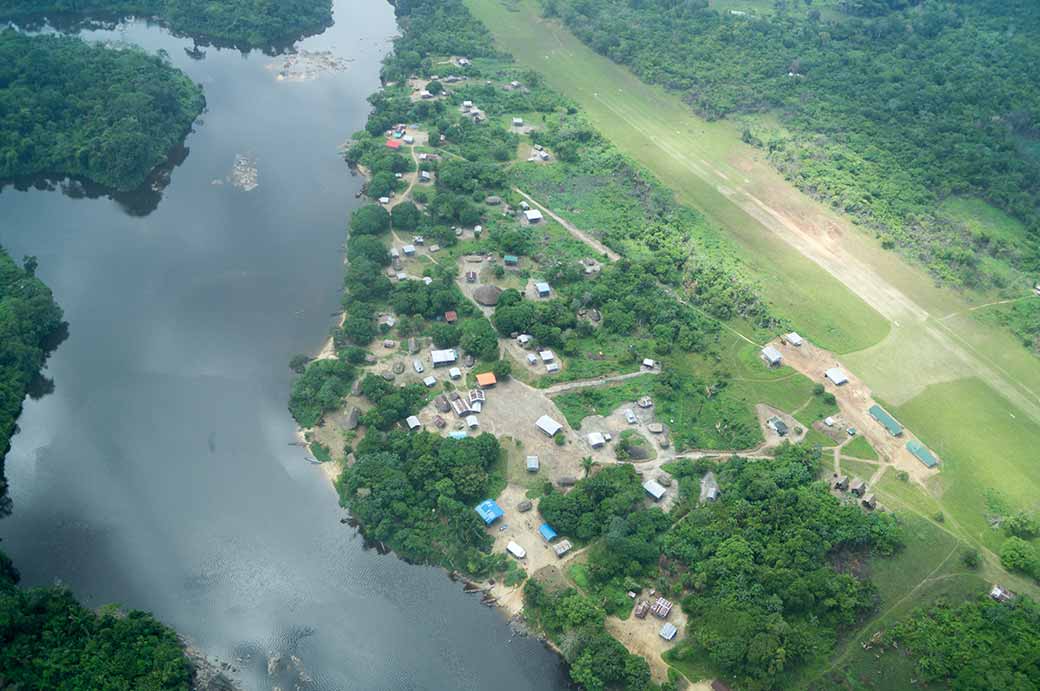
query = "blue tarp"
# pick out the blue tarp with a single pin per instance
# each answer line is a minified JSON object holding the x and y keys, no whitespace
{"x":457,"y":435}
{"x":489,"y":511}
{"x":547,"y":532}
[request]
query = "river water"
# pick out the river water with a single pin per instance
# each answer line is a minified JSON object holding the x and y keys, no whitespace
{"x":158,"y":474}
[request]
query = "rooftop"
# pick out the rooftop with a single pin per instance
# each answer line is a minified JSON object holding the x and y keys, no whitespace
{"x":489,"y":511}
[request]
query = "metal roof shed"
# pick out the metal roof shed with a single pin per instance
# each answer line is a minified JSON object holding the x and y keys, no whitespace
{"x":549,"y":426}
{"x":654,"y":489}
{"x":772,"y":356}
{"x":668,"y":631}
{"x":889,"y":422}
{"x":489,"y":511}
{"x":547,"y":533}
{"x":921,"y":452}
{"x":596,"y":440}
{"x":836,"y":375}
{"x":532,"y":464}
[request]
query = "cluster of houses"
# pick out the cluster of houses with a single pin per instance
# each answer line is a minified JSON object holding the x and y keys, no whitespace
{"x":489,"y":511}
{"x":545,"y":357}
{"x":466,"y":406}
{"x":471,"y":111}
{"x":857,"y":488}
{"x":660,"y":608}
{"x":539,"y":153}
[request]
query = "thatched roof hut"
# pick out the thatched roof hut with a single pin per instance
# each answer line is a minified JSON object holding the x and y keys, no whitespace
{"x":487,"y":295}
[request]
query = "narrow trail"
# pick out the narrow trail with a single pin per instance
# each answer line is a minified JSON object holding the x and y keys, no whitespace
{"x":571,"y":228}
{"x":989,"y":304}
{"x":587,"y":383}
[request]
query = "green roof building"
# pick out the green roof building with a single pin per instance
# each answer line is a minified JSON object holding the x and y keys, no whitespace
{"x":922,"y":453}
{"x":511,"y":260}
{"x":886,"y":420}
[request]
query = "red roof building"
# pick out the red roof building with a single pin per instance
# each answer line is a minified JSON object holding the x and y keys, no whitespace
{"x":393,"y":143}
{"x":451,"y":316}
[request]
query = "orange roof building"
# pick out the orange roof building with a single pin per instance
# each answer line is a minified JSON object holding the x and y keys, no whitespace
{"x":486,"y":380}
{"x":393,"y":143}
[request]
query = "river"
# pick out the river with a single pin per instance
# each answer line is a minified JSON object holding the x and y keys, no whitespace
{"x":158,"y":474}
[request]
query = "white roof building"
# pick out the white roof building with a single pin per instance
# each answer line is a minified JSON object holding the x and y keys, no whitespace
{"x":384,"y":200}
{"x":542,"y":288}
{"x":552,"y":367}
{"x":836,"y":375}
{"x":533,"y":215}
{"x":630,"y":417}
{"x":647,"y":362}
{"x":455,"y":373}
{"x":430,"y":382}
{"x":532,"y":359}
{"x":523,"y":339}
{"x":596,"y":440}
{"x":409,"y":250}
{"x":546,"y":355}
{"x":668,"y":631}
{"x":443,"y":357}
{"x":517,"y":122}
{"x":413,"y":422}
{"x":794,"y":339}
{"x":549,"y":426}
{"x":654,"y":489}
{"x":516,"y":550}
{"x":772,"y":356}
{"x":533,"y":464}
{"x":472,"y":422}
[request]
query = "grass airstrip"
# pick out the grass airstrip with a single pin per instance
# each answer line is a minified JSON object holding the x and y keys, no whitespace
{"x":968,"y":389}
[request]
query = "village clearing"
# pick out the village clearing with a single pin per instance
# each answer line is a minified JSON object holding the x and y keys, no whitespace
{"x":968,"y":389}
{"x":886,"y":328}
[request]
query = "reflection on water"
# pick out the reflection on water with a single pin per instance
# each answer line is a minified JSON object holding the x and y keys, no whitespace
{"x":139,"y":202}
{"x":158,"y":474}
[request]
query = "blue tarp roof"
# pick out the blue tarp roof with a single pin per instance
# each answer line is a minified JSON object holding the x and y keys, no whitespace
{"x":457,"y":435}
{"x":489,"y":511}
{"x":547,"y":532}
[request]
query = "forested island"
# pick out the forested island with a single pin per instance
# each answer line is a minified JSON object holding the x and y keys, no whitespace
{"x":106,"y":114}
{"x":905,"y":115}
{"x":243,"y":24}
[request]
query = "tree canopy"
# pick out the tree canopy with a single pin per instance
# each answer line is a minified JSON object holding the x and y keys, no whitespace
{"x":109,"y":115}
{"x":241,"y":23}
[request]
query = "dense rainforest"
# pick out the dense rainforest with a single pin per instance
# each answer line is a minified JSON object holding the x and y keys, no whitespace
{"x":242,"y":23}
{"x":30,"y":326}
{"x":68,"y":107}
{"x":885,"y":109}
{"x":50,"y":641}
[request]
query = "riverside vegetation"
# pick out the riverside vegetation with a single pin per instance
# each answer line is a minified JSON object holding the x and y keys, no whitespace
{"x":761,"y":574}
{"x":241,"y":23}
{"x":68,"y":107}
{"x":864,"y":109}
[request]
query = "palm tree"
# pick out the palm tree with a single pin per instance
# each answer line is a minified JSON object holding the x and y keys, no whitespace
{"x":586,"y":464}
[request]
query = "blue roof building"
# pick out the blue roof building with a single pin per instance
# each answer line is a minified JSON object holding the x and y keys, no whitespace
{"x":922,"y":453}
{"x":547,"y":532}
{"x":489,"y":511}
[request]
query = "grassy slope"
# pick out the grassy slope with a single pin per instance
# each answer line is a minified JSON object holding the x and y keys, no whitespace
{"x":983,"y":447}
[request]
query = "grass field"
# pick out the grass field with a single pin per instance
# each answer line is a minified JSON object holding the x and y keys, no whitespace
{"x":987,"y":451}
{"x":859,"y":447}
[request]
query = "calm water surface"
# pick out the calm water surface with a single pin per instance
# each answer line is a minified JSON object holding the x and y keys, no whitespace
{"x":159,"y":473}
